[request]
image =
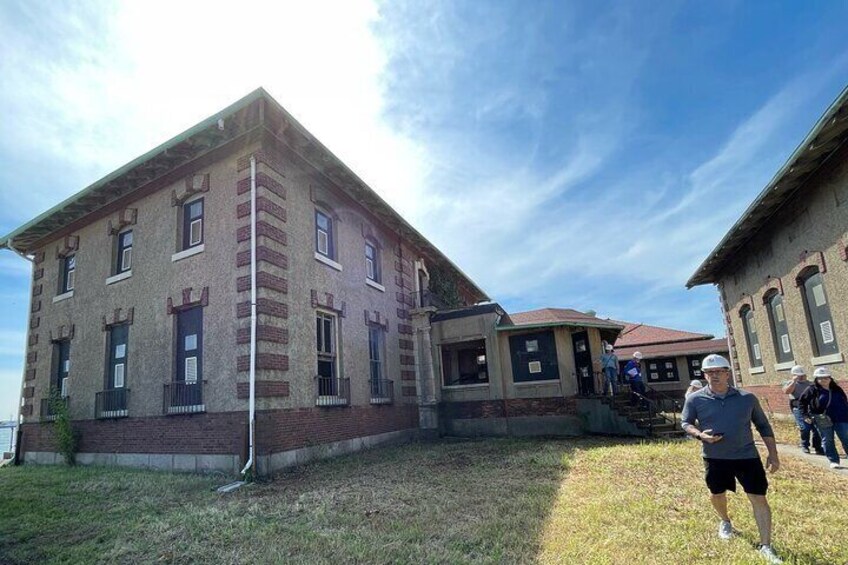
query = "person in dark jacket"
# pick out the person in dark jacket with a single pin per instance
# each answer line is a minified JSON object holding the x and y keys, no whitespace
{"x":633,"y":373}
{"x":826,"y":404}
{"x":795,"y":389}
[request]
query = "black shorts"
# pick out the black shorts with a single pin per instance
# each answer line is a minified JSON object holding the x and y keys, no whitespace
{"x":721,"y":475}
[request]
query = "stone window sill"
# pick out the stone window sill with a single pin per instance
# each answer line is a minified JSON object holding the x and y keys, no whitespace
{"x":784,"y":366}
{"x":374,"y":284}
{"x":61,"y":297}
{"x":188,"y":252}
{"x":460,"y":387}
{"x":327,"y":261}
{"x":827,"y":359}
{"x":756,"y":370}
{"x":119,"y":277}
{"x":554,"y":382}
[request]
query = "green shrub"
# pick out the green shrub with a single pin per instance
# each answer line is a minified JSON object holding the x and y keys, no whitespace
{"x":66,"y":437}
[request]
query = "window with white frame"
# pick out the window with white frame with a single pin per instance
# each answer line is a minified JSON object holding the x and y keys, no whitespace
{"x":372,"y":262}
{"x":375,"y":352}
{"x":193,"y":223}
{"x":69,"y":268}
{"x":123,"y":260}
{"x":819,"y":318}
{"x":61,"y":366}
{"x":324,"y":235}
{"x":326,"y":333}
{"x":779,"y":328}
{"x":754,"y":353}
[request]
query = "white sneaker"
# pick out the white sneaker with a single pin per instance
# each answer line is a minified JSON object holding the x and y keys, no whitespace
{"x":767,"y":553}
{"x":835,"y":466}
{"x":725,"y":530}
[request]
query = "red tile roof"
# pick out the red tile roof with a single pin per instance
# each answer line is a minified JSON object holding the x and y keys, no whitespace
{"x":560,"y":316}
{"x":643,"y":334}
{"x":694,"y":347}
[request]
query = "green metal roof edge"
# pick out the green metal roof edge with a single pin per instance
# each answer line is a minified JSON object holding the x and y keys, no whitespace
{"x":556,"y":324}
{"x":839,"y":101}
{"x":179,"y":138}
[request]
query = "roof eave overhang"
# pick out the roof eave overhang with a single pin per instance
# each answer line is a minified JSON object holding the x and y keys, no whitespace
{"x":828,"y":134}
{"x":558,"y":324}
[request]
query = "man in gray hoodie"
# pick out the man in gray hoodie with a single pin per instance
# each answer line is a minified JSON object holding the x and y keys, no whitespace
{"x":724,"y":415}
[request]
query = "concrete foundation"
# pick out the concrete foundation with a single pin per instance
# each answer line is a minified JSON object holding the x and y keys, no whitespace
{"x":191,"y":463}
{"x":519,"y":426}
{"x":599,"y":419}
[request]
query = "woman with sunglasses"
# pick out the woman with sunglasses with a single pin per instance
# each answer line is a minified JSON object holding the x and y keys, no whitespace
{"x":826,"y":404}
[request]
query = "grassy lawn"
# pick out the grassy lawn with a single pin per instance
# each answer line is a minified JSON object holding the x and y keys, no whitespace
{"x":579,"y":501}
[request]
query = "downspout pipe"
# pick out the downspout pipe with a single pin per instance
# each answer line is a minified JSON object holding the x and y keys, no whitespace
{"x":10,"y":245}
{"x":252,"y":410}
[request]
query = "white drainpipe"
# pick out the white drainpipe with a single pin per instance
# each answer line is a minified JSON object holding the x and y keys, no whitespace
{"x":252,"y":417}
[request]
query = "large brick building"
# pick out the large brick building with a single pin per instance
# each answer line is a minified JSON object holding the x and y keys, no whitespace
{"x":141,"y":304}
{"x":782,"y":269}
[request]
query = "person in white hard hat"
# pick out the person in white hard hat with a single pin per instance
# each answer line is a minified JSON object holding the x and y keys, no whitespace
{"x":633,"y":372}
{"x":694,"y":386}
{"x":825,"y":403}
{"x":609,"y":365}
{"x":795,"y":388}
{"x":725,"y":414}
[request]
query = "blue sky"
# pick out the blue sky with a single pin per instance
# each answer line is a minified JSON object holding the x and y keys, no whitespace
{"x":584,"y":155}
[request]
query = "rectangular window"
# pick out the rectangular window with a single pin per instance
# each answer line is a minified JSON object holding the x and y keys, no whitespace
{"x":324,"y":235}
{"x":372,"y":263}
{"x":662,"y":370}
{"x":124,"y":257}
{"x":193,"y":223}
{"x":465,"y":363}
{"x":327,"y":354}
{"x":117,"y":357}
{"x":190,"y":345}
{"x":69,"y":267}
{"x":61,"y":366}
{"x":375,"y":352}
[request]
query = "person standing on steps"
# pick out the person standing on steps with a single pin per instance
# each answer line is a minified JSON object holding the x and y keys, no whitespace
{"x":795,"y":388}
{"x":826,"y":405}
{"x":609,"y":365}
{"x":633,"y":372}
{"x":724,"y":415}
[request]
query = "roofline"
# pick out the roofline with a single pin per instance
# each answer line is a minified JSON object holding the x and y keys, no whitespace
{"x":700,"y":276}
{"x":179,"y":138}
{"x":556,"y":324}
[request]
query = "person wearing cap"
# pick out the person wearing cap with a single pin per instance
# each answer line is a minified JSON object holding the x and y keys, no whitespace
{"x":694,"y":387}
{"x":825,"y":404}
{"x":609,"y":365}
{"x":633,"y":372}
{"x":795,"y":388}
{"x":724,"y":415}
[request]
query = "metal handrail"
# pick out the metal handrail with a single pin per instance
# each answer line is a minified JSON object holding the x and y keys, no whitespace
{"x":332,"y":391}
{"x":675,"y":402}
{"x":382,"y":391}
{"x":183,"y":398}
{"x":652,"y":411}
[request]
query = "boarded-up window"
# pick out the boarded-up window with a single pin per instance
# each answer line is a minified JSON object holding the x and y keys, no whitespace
{"x":819,"y":317}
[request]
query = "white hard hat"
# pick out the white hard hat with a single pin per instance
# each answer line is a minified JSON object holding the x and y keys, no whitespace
{"x":637,"y":355}
{"x":714,"y":361}
{"x":822,"y":372}
{"x":609,"y":347}
{"x":697,"y":383}
{"x":798,"y":370}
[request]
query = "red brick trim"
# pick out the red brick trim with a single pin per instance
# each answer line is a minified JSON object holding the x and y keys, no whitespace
{"x":37,"y":289}
{"x":407,"y":360}
{"x":403,"y":266}
{"x":263,"y":280}
{"x":843,"y":247}
{"x":35,"y":306}
{"x":264,"y":361}
{"x":264,"y":306}
{"x":117,"y":319}
{"x":376,"y":318}
{"x":62,"y":332}
{"x":262,"y":205}
{"x":38,"y":257}
{"x":328,"y":304}
{"x":405,"y":344}
{"x":747,"y":300}
{"x":807,"y":260}
{"x":38,"y":274}
{"x":772,"y":284}
{"x":33,"y":339}
{"x":405,"y":329}
{"x":266,"y":333}
{"x":126,"y":217}
{"x":403,"y":314}
{"x":262,"y":157}
{"x":262,"y":229}
{"x":407,"y":375}
{"x":262,"y":181}
{"x":69,"y":245}
{"x":34,"y":322}
{"x":409,"y":391}
{"x":26,"y":410}
{"x":264,"y":389}
{"x":202,"y":301}
{"x":29,"y":374}
{"x":194,"y":184}
{"x":32,"y":357}
{"x":29,"y":392}
{"x":265,"y":254}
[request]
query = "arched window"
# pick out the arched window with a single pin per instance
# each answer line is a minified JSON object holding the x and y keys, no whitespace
{"x":779,"y":327}
{"x":822,"y":333}
{"x":754,"y":354}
